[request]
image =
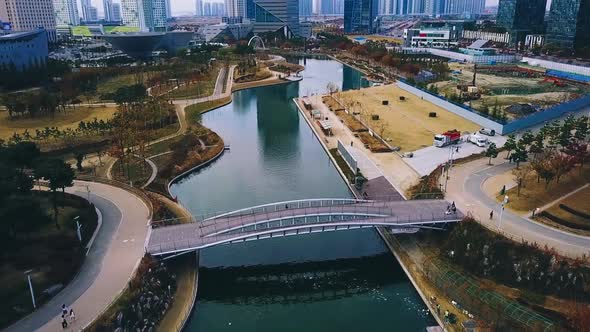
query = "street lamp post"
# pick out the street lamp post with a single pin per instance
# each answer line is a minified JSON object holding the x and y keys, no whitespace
{"x":78,"y":227}
{"x":28,"y":274}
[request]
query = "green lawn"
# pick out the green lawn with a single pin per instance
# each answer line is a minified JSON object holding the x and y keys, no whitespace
{"x":122,"y":29}
{"x":54,"y":255}
{"x":194,"y":111}
{"x":534,"y":195}
{"x":196,"y":90}
{"x":138,"y":173}
{"x":81,"y":31}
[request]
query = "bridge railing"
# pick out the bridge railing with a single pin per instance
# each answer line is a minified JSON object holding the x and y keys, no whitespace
{"x":286,"y":205}
{"x":314,"y":215}
{"x":217,"y":231}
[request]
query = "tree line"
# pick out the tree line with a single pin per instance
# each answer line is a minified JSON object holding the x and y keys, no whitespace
{"x":556,"y":149}
{"x":21,"y":165}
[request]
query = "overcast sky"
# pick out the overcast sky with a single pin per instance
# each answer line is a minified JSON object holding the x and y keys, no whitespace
{"x":184,"y":6}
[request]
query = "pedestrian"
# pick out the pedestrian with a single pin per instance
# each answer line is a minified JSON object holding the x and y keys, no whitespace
{"x":351,"y":143}
{"x":64,"y":309}
{"x":64,"y":322}
{"x":72,"y":316}
{"x":286,"y":206}
{"x":492,"y":214}
{"x":454,"y":209}
{"x":453,"y":205}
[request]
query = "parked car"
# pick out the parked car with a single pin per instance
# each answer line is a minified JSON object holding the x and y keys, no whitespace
{"x":478,"y":140}
{"x":487,"y":131}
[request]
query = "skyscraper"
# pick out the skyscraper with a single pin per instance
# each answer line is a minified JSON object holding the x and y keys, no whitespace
{"x":27,"y":15}
{"x":86,"y":11}
{"x":116,"y":13}
{"x":327,"y":7}
{"x":199,"y":7}
{"x":521,"y":16}
{"x":235,"y":8}
{"x":274,"y":15}
{"x":168,"y":9}
{"x":66,"y":12}
{"x":305,"y":8}
{"x":132,"y":13}
{"x":465,"y":6}
{"x":360,"y":15}
{"x":147,"y":15}
{"x":568,"y":25}
{"x":92,"y":14}
{"x":108,"y":9}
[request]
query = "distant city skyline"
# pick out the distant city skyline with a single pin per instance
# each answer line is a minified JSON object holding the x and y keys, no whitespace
{"x":188,"y":6}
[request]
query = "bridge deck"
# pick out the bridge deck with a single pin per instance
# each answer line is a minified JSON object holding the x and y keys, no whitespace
{"x":292,"y":221}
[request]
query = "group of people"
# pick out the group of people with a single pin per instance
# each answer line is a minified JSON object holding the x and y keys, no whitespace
{"x":451,"y":209}
{"x":67,"y":316}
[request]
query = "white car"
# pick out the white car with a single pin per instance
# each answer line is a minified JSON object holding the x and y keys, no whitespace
{"x":487,"y":131}
{"x":478,"y":140}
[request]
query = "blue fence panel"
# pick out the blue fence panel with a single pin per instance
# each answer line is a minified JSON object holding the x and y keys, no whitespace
{"x":547,"y":115}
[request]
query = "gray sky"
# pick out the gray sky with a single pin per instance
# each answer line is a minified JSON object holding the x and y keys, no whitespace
{"x":183,"y":6}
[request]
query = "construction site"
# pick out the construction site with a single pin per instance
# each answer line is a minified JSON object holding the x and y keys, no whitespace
{"x":511,"y":89}
{"x":403,"y":120}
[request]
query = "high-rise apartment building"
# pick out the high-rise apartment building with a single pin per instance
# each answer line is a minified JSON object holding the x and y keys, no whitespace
{"x":116,"y":13}
{"x":147,"y":15}
{"x":199,"y":7}
{"x":92,"y":14}
{"x":360,"y":15}
{"x":235,"y":8}
{"x":274,"y":15}
{"x":132,"y":13}
{"x":66,"y":12}
{"x":305,"y":8}
{"x":168,"y":9}
{"x":568,"y":24}
{"x":108,"y":9}
{"x":28,"y":15}
{"x":86,"y":11}
{"x":521,"y":17}
{"x":459,"y":7}
{"x":216,"y":9}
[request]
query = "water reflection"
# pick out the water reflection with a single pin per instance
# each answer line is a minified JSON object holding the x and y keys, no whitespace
{"x":305,"y":282}
{"x":278,"y":124}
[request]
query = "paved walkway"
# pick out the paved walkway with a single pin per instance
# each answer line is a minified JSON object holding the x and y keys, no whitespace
{"x":116,"y":251}
{"x":465,"y":189}
{"x":389,"y":165}
{"x":283,"y":221}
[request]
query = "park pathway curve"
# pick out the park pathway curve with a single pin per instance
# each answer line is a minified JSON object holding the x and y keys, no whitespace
{"x":465,"y":188}
{"x":110,"y":263}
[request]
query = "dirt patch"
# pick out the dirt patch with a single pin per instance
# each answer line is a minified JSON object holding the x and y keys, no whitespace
{"x":404,"y":123}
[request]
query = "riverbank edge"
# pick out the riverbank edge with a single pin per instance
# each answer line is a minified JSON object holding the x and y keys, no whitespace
{"x":325,"y":147}
{"x":380,"y":230}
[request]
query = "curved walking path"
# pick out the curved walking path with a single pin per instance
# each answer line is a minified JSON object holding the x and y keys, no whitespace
{"x":109,"y":264}
{"x":465,"y":188}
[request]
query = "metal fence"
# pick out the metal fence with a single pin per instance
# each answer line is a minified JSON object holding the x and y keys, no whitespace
{"x":348,"y":158}
{"x":510,"y":315}
{"x":549,"y":114}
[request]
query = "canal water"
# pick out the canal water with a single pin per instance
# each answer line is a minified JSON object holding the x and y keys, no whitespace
{"x":335,"y":281}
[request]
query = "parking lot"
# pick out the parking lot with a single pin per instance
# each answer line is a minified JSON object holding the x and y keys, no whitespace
{"x":425,"y":160}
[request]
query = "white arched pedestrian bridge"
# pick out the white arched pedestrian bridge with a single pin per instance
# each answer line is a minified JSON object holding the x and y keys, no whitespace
{"x":295,"y":218}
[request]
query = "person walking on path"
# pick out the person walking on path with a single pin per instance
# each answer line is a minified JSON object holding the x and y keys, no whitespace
{"x":64,"y":322}
{"x":492,"y":214}
{"x":72,"y":316}
{"x":64,"y":310}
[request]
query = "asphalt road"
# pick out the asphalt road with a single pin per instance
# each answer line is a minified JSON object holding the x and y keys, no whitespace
{"x":465,"y":188}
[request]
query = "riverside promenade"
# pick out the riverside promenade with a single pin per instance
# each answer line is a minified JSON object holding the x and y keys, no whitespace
{"x":109,"y":264}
